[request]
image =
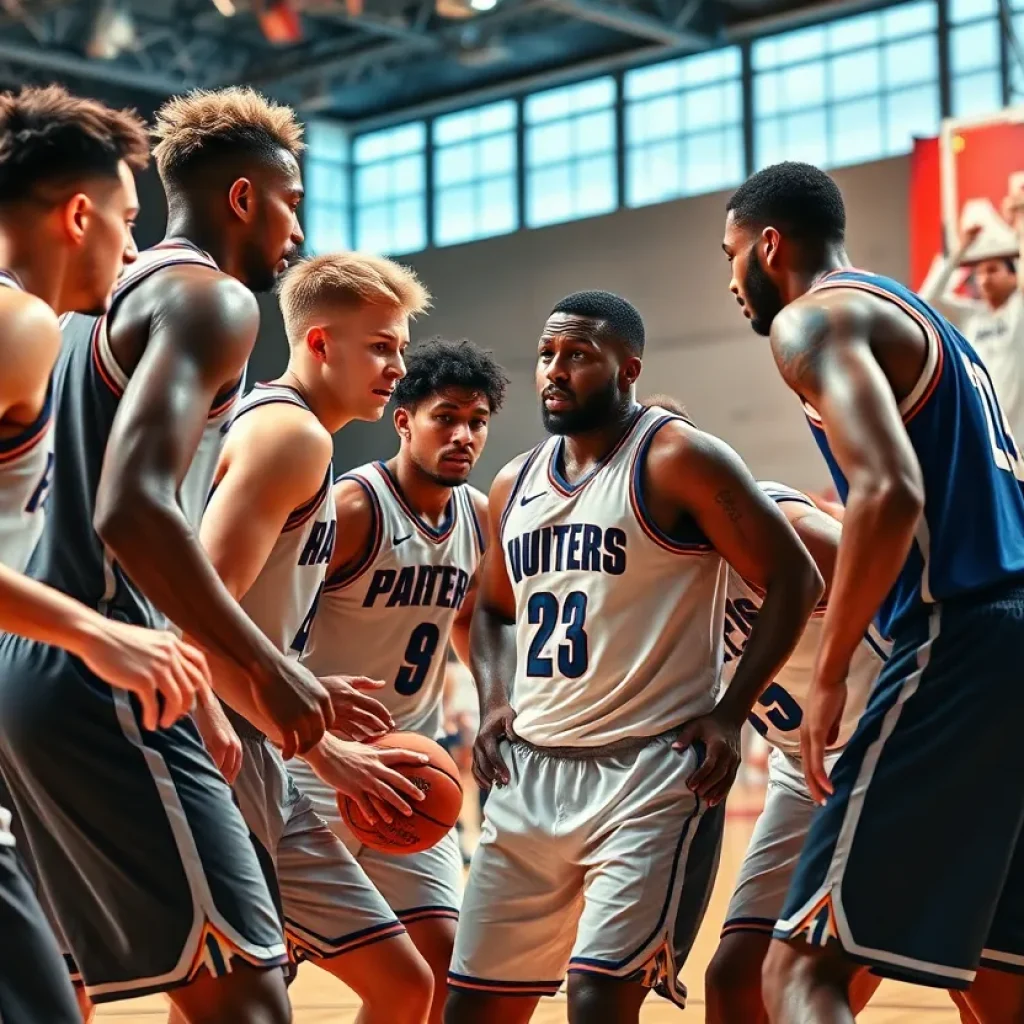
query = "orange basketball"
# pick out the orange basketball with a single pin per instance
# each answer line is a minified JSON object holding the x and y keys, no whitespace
{"x":432,"y":818}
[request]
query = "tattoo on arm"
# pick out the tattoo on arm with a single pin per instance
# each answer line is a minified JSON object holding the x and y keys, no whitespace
{"x":726,"y":501}
{"x":798,"y":343}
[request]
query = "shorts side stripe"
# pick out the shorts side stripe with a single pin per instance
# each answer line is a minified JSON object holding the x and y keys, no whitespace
{"x":206,"y":918}
{"x":311,"y":944}
{"x":463,"y":983}
{"x":426,"y":913}
{"x":761,"y":925}
{"x":831,"y":888}
{"x":999,"y":961}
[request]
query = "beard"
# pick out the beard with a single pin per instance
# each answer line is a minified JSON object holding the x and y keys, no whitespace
{"x":589,"y":415}
{"x":762,"y":297}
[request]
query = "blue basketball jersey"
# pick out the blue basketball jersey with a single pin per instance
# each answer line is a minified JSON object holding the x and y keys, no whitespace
{"x":971,"y":536}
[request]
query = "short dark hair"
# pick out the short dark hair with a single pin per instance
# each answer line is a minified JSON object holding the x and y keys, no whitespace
{"x":438,"y":364}
{"x":622,"y":318}
{"x":799,"y":199}
{"x":48,"y":136}
{"x":667,"y":402}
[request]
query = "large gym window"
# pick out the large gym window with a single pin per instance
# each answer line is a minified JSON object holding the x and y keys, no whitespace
{"x":975,"y":60}
{"x":475,"y":170}
{"x":850,"y":91}
{"x":325,"y":209}
{"x":570,"y":152}
{"x":684,"y":127}
{"x":390,"y":189}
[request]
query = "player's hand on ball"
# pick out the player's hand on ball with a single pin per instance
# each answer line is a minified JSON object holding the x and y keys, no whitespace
{"x":295,"y":701}
{"x":218,"y":734}
{"x":823,"y":713}
{"x":357,"y":715}
{"x":720,"y":736}
{"x":488,"y":764}
{"x":162,"y":671}
{"x":367,"y":776}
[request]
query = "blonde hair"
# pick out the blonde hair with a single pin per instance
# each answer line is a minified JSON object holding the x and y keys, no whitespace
{"x":187,"y":126}
{"x":348,"y":279}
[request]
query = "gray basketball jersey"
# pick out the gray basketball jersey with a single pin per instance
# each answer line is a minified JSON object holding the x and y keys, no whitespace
{"x":26,"y":461}
{"x":618,"y":626}
{"x":284,"y":596}
{"x":87,"y":389}
{"x":391,"y":617}
{"x":779,"y":710}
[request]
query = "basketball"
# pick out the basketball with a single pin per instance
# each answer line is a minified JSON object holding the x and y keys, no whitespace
{"x":432,"y":818}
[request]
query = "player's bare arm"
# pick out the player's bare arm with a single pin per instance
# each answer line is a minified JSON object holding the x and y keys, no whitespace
{"x":819,"y":533}
{"x":199,"y":329}
{"x":460,"y":638}
{"x":365,"y":774}
{"x":493,"y":640}
{"x":690,"y":473}
{"x":164,"y":673}
{"x":823,"y":348}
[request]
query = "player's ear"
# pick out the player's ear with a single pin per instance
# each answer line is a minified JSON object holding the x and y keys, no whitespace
{"x":631,"y":370}
{"x":75,"y":216}
{"x":771,"y":238}
{"x":402,"y":423}
{"x":316,"y":343}
{"x":241,"y":199}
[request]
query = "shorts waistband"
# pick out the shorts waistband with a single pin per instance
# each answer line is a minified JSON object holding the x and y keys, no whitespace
{"x":627,"y":746}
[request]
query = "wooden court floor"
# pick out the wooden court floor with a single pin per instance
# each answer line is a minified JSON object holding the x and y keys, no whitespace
{"x":319,"y":999}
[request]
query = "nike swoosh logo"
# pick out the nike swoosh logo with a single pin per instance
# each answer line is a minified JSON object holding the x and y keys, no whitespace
{"x":402,"y":540}
{"x":524,"y":500}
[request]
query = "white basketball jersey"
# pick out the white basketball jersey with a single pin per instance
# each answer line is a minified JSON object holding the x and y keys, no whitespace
{"x":618,"y":626}
{"x":779,"y":710}
{"x":283,"y":599}
{"x":391,"y":616}
{"x":26,"y":461}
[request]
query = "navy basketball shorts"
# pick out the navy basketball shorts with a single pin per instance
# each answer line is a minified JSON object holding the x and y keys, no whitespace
{"x":34,"y":984}
{"x":915,"y":864}
{"x":141,"y":852}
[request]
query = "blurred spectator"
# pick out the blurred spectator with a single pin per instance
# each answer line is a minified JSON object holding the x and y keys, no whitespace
{"x":994,"y":321}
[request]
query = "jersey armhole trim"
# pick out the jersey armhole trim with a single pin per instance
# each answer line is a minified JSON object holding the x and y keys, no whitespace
{"x":518,"y":486}
{"x":346,"y":576}
{"x":30,"y":435}
{"x":636,"y":500}
{"x":478,"y":533}
{"x":934,"y":359}
{"x":307,"y":509}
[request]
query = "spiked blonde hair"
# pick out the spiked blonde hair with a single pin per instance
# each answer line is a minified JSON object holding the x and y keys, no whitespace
{"x":187,"y":126}
{"x":348,"y":278}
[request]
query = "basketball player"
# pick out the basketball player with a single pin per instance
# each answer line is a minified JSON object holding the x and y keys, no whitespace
{"x":600,"y":618}
{"x":933,"y":542}
{"x":403,"y":573}
{"x":141,"y":850}
{"x":67,"y":206}
{"x":270,"y":530}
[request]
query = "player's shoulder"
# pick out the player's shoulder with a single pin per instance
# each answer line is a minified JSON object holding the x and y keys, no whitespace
{"x":29,"y":335}
{"x":781,"y":493}
{"x":284,"y":437}
{"x":676,"y":440}
{"x":354,"y":503}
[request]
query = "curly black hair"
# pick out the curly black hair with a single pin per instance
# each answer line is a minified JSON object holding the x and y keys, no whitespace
{"x":437,"y":364}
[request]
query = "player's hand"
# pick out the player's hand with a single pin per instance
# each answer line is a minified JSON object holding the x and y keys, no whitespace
{"x":488,"y":764}
{"x":357,"y":715}
{"x":218,"y":734}
{"x":968,"y":234}
{"x":296,"y":702}
{"x":368,"y":776}
{"x":720,"y":735}
{"x":162,"y":671}
{"x":823,"y":714}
